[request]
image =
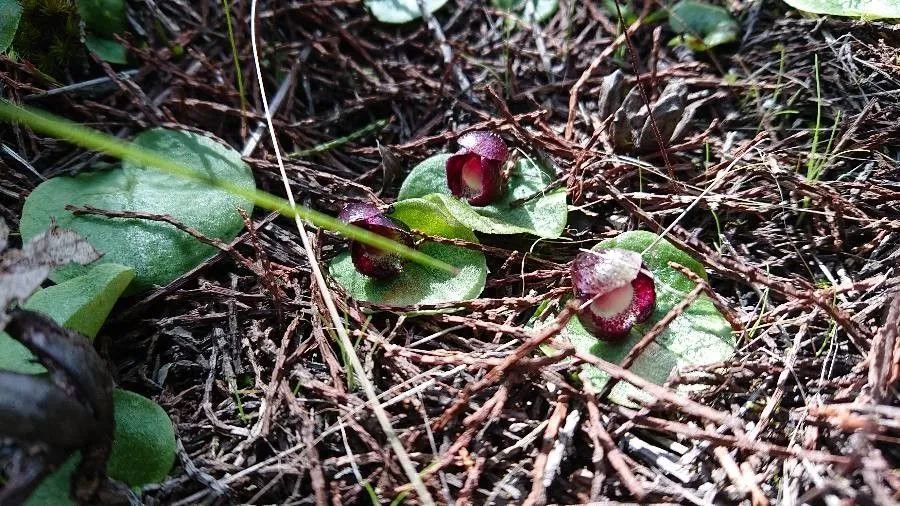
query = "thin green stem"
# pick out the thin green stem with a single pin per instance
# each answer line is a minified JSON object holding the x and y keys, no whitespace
{"x":352,"y":136}
{"x":812,"y":159}
{"x":61,"y":128}
{"x":237,"y":64}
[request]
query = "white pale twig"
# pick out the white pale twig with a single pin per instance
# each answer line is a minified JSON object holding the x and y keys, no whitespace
{"x":369,"y":389}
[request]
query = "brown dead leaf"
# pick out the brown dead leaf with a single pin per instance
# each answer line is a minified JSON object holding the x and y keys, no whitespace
{"x":23,"y":271}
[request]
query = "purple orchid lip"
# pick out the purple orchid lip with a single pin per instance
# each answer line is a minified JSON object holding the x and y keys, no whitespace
{"x":368,"y":260}
{"x":614,"y":290}
{"x":474,"y":172}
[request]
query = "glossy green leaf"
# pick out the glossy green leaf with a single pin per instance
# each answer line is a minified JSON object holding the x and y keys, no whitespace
{"x":103,"y":17}
{"x":157,"y":251}
{"x":418,"y":284}
{"x":108,"y":50}
{"x":10,"y":14}
{"x":702,"y":25}
{"x":400,"y":11}
{"x":80,"y":304}
{"x":544,"y":216}
{"x":700,"y":335}
{"x":143,"y":450}
{"x":868,"y":9}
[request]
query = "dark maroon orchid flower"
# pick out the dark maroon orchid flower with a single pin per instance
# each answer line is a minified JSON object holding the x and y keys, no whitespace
{"x":474,"y":172}
{"x":368,"y":260}
{"x":615,"y":291}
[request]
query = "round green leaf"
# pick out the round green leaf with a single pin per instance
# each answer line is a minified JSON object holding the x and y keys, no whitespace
{"x":868,"y":9}
{"x":10,"y":14}
{"x":80,"y":304}
{"x":418,"y":284}
{"x":103,"y":17}
{"x":143,"y":450}
{"x":700,"y":21}
{"x":544,"y":216}
{"x":400,"y":11}
{"x":698,"y":336}
{"x":108,"y":50}
{"x":157,"y":251}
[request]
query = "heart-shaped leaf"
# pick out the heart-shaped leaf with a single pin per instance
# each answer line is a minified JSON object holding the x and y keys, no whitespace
{"x":157,"y":251}
{"x":80,"y":304}
{"x":698,"y":336}
{"x":702,"y":25}
{"x":143,"y":450}
{"x":544,"y":216}
{"x":400,"y":11}
{"x":417,"y":284}
{"x":10,"y":14}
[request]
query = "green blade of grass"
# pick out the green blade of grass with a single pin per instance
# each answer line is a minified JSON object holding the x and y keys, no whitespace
{"x":812,"y":160}
{"x":237,"y":64}
{"x":61,"y":128}
{"x":327,"y":146}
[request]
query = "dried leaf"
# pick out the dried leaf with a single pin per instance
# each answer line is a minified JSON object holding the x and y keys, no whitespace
{"x":23,"y":271}
{"x":612,"y":93}
{"x":390,"y":165}
{"x":58,"y":246}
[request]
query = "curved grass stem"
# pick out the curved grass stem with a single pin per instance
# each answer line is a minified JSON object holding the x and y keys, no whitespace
{"x":85,"y":137}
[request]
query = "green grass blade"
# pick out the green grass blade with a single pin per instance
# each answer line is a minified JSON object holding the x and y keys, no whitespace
{"x":61,"y":128}
{"x":237,"y":64}
{"x":811,"y":161}
{"x":327,"y":146}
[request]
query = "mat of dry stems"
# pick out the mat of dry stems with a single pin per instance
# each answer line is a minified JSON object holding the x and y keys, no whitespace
{"x":239,"y":353}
